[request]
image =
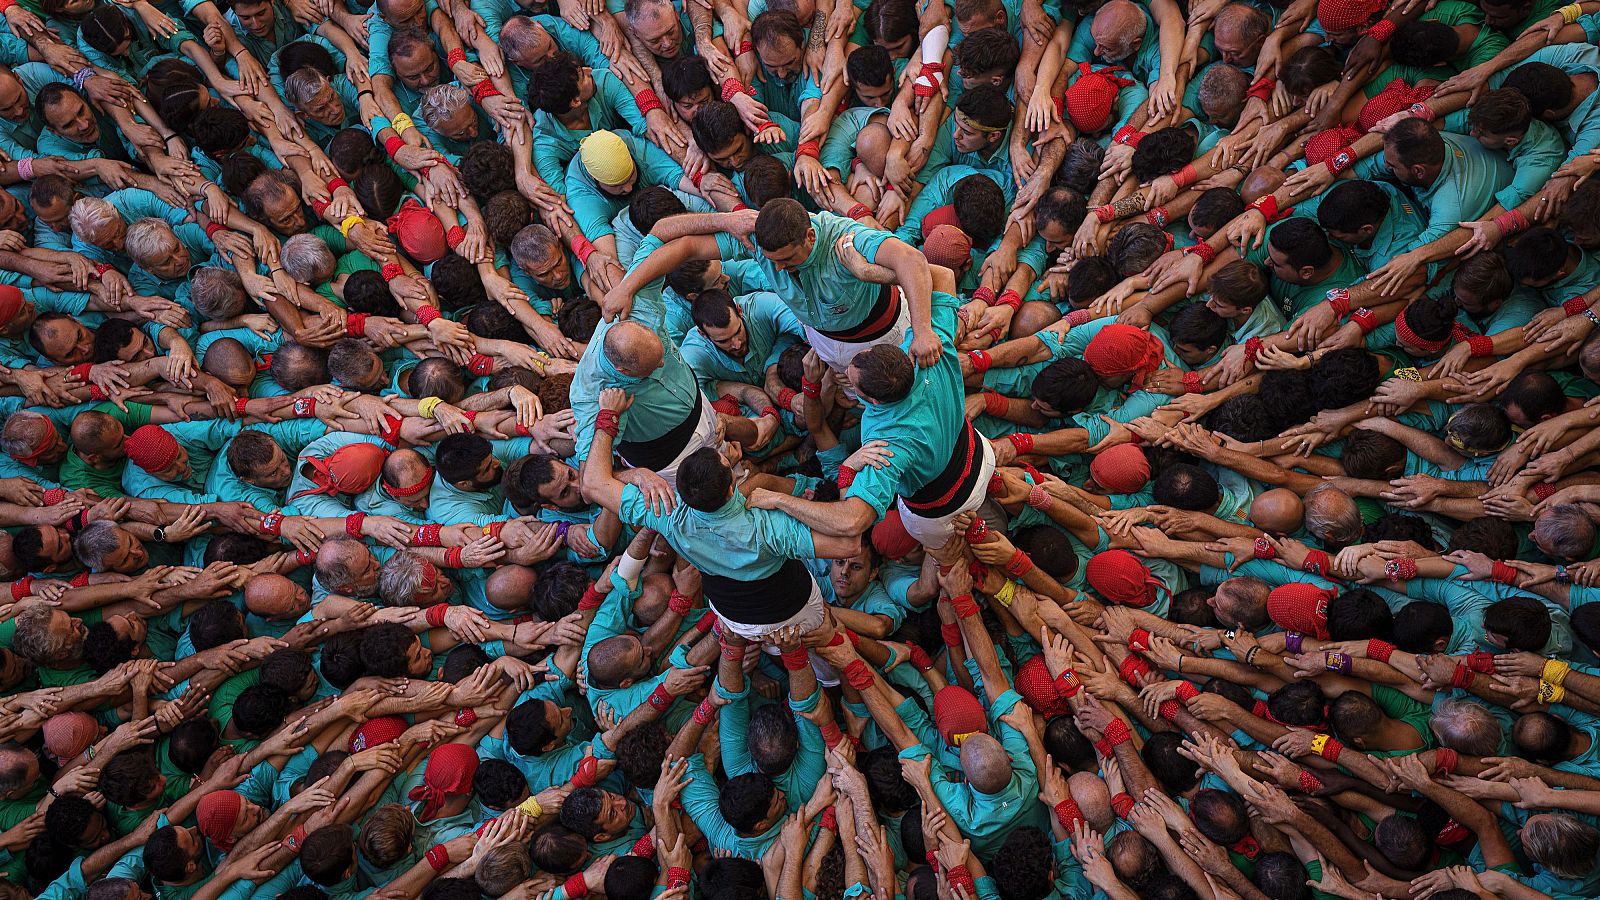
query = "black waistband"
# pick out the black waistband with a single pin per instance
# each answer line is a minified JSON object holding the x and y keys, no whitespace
{"x":885,"y":313}
{"x":765,"y":601}
{"x":659,"y":452}
{"x":949,"y":490}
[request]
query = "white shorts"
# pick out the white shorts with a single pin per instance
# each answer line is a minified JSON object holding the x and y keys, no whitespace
{"x":935,"y":533}
{"x":808,"y":618}
{"x":837,"y":354}
{"x":705,"y":435}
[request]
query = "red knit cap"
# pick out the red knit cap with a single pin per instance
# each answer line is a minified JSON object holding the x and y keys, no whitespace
{"x":943,"y":215}
{"x":349,"y":470}
{"x":1301,"y":606}
{"x":1343,"y":15}
{"x":1122,"y":469}
{"x":216,"y":815}
{"x":449,"y":773}
{"x":1091,"y":97}
{"x":151,"y":448}
{"x":890,"y":538}
{"x":419,"y":233}
{"x":1120,"y":577}
{"x":377,"y":732}
{"x":1322,"y":146}
{"x":68,"y":734}
{"x":1038,"y":689}
{"x":1117,"y":349}
{"x":10,"y":303}
{"x":957,"y":714}
{"x":1396,"y":96}
{"x":948,"y":246}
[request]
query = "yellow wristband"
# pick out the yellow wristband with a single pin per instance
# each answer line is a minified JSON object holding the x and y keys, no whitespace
{"x":531,"y":807}
{"x":1570,"y":12}
{"x":1319,"y":742}
{"x":401,"y":123}
{"x":1006,"y":594}
{"x":427,"y":405}
{"x":349,"y":223}
{"x":1555,"y":672}
{"x":1551,"y":693}
{"x":1409,"y":373}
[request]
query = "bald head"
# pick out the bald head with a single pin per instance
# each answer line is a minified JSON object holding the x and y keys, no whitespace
{"x":229,"y":361}
{"x":405,"y":469}
{"x":273,"y":596}
{"x":634,"y":349}
{"x":1092,"y":797}
{"x":1117,"y":30}
{"x":1278,"y":511}
{"x":1238,"y":32}
{"x":1333,"y":516}
{"x":1261,"y":182}
{"x":97,"y":436}
{"x":510,"y":587}
{"x":986,"y":763}
{"x":872,"y":144}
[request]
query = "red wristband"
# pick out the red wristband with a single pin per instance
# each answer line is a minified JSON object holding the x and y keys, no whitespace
{"x":648,"y":101}
{"x":859,"y":675}
{"x":1379,"y":650}
{"x":434,"y":615}
{"x":609,"y":421}
{"x":1503,"y":574}
{"x":808,"y":148}
{"x":847,"y":476}
{"x":438,"y":857}
{"x":1022,"y":441}
{"x":1365,"y":319}
{"x":1309,"y":783}
{"x":796,"y":659}
{"x":576,"y":887}
{"x":1381,"y":30}
{"x":426,"y":314}
{"x":660,"y":698}
{"x":1205,"y":251}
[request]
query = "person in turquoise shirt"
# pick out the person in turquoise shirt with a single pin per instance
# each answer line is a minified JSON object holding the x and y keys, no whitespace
{"x":305,"y":495}
{"x":265,"y":455}
{"x":180,"y":463}
{"x":749,"y":557}
{"x":528,"y":40}
{"x":976,"y":134}
{"x":571,"y":101}
{"x":1373,"y":220}
{"x":738,"y":339}
{"x":625,"y":163}
{"x":468,"y":471}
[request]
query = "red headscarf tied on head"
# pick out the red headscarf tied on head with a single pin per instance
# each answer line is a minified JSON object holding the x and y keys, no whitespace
{"x":418,"y":232}
{"x":943,"y":215}
{"x":1119,"y":349}
{"x":1323,"y":145}
{"x":948,"y":246}
{"x":10,"y":303}
{"x":1396,"y":96}
{"x":1343,"y":15}
{"x":349,"y":470}
{"x":890,"y":538}
{"x":1038,"y":689}
{"x":449,"y":773}
{"x":217,"y":814}
{"x":377,"y":732}
{"x":957,"y":714}
{"x":1092,"y":96}
{"x":1118,"y":576}
{"x":1300,"y":606}
{"x":151,"y":447}
{"x":1122,"y":469}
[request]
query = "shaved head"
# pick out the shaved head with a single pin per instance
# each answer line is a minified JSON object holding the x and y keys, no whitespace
{"x":1279,"y":511}
{"x":634,"y":349}
{"x":509,"y":587}
{"x":1093,"y":798}
{"x":986,"y":763}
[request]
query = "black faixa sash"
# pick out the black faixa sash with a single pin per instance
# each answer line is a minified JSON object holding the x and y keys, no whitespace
{"x":764,"y":601}
{"x":659,"y":452}
{"x":951,"y":487}
{"x":885,"y":313}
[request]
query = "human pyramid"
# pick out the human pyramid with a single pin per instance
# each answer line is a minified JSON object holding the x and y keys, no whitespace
{"x":799,"y":450}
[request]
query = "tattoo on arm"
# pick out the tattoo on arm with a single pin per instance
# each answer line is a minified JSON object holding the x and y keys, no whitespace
{"x":819,"y":29}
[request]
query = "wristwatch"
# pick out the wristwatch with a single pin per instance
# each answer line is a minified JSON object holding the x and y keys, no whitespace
{"x":160,"y":534}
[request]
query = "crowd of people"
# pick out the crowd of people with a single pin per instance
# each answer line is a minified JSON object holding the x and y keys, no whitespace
{"x":799,"y":449}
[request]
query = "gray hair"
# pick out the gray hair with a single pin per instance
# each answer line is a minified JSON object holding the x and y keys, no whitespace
{"x":90,"y":214}
{"x":1562,"y":844}
{"x":34,"y":642}
{"x":442,"y":101}
{"x":217,"y":293}
{"x":401,"y":578}
{"x":633,"y":8}
{"x":151,"y":239}
{"x":15,"y":439}
{"x":1222,"y":90}
{"x":516,"y":37}
{"x":1567,"y":529}
{"x":97,"y":539}
{"x":534,"y":244}
{"x":307,"y":259}
{"x":336,"y":573}
{"x":1331,"y":520}
{"x":1466,"y":727}
{"x":303,"y":85}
